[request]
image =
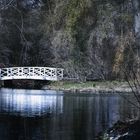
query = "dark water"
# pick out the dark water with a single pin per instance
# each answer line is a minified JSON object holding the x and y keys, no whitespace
{"x":50,"y":115}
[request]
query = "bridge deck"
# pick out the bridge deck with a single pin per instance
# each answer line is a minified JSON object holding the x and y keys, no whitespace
{"x":36,"y":73}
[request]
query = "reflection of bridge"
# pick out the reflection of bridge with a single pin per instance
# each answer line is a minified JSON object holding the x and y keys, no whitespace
{"x":30,"y":102}
{"x":35,"y":73}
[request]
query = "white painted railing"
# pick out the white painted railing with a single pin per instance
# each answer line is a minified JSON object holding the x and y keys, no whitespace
{"x":36,"y":73}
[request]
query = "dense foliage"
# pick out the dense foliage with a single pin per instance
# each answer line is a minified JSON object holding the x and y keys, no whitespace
{"x":90,"y":39}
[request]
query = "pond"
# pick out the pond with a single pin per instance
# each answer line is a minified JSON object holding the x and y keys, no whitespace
{"x":52,"y":115}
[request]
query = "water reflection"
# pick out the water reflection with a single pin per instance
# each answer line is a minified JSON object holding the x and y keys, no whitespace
{"x":30,"y":102}
{"x":48,"y":115}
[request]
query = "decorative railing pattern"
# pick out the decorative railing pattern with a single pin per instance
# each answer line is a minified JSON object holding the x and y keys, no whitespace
{"x":36,"y":73}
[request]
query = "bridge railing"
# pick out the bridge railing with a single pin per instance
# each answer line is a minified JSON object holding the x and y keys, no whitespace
{"x":37,"y":73}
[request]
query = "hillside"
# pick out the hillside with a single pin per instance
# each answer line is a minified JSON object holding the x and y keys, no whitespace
{"x":90,"y":39}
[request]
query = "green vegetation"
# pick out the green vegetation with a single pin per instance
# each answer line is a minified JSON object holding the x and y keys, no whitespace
{"x":74,"y":11}
{"x":83,"y":86}
{"x":72,"y":85}
{"x":127,"y":18}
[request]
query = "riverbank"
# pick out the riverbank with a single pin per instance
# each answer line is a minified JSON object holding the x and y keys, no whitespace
{"x":93,"y":87}
{"x":128,"y":130}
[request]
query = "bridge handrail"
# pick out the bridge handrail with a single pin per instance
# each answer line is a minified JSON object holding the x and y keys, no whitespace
{"x":31,"y":67}
{"x":41,"y":73}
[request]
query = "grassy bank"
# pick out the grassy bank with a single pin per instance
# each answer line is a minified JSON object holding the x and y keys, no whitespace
{"x":102,"y":86}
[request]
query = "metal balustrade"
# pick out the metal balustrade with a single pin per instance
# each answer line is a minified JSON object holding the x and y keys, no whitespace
{"x":35,"y":73}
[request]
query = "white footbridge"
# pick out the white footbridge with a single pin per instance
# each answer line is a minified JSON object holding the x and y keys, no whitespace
{"x":33,"y":73}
